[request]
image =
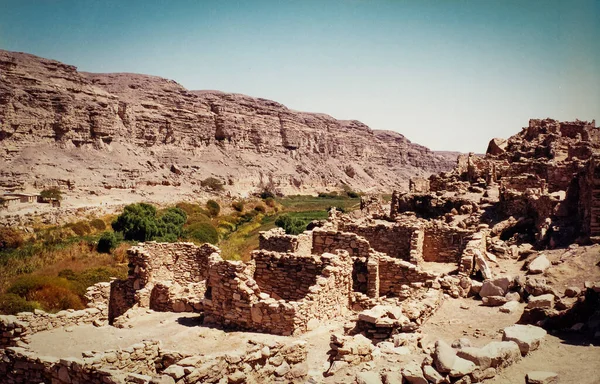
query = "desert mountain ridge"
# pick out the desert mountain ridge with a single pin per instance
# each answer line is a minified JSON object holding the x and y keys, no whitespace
{"x":96,"y":132}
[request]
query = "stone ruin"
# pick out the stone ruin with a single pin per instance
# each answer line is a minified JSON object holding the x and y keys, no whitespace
{"x":386,"y":271}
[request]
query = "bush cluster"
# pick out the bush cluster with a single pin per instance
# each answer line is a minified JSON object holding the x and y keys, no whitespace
{"x":142,"y":222}
{"x":10,"y":238}
{"x":291,"y":225}
{"x":238,"y":206}
{"x":213,"y":208}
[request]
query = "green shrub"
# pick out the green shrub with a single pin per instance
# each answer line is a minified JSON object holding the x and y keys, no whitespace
{"x":260,"y":208}
{"x":267,"y":195}
{"x":137,"y":222}
{"x":10,"y":238}
{"x":51,"y":194}
{"x":328,"y":195}
{"x":25,"y":286}
{"x":54,"y":298}
{"x":82,"y":280}
{"x":238,"y":206}
{"x":291,"y":225}
{"x":212,"y":183}
{"x":352,"y":194}
{"x":202,"y":232}
{"x":11,"y":304}
{"x":98,"y":224}
{"x":140,"y":222}
{"x":213,"y":208}
{"x":270,"y":202}
{"x":80,"y":228}
{"x":107,"y":242}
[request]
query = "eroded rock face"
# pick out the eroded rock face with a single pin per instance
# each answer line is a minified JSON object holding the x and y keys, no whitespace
{"x":49,"y":111}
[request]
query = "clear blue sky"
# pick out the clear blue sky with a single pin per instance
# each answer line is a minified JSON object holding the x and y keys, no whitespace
{"x":447,"y":74}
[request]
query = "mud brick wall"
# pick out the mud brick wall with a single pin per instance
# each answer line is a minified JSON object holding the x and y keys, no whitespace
{"x":330,"y":241}
{"x":286,"y":276}
{"x":394,"y":273}
{"x":444,"y":244}
{"x":393,"y":239}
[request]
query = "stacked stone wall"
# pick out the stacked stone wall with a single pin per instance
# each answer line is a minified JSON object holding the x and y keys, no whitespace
{"x":444,"y":244}
{"x":20,"y":366}
{"x":235,"y":299}
{"x":286,"y":276}
{"x":394,"y":273}
{"x":14,"y":330}
{"x":276,"y":240}
{"x":394,"y":239}
{"x":331,"y":240}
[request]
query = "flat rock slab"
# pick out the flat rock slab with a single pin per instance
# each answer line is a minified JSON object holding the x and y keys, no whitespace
{"x":509,"y":307}
{"x":543,"y":301}
{"x":368,"y":377}
{"x":527,"y":337}
{"x":541,"y":377}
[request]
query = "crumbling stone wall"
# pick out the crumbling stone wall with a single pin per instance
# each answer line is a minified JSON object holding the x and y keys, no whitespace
{"x":235,"y":299}
{"x":20,"y":366}
{"x":286,"y":276}
{"x":179,"y":267}
{"x":259,"y":362}
{"x":276,"y":240}
{"x":523,"y":182}
{"x":444,"y":244}
{"x":394,"y":273}
{"x":15,"y":330}
{"x":331,"y":240}
{"x":589,"y":199}
{"x":394,"y":239}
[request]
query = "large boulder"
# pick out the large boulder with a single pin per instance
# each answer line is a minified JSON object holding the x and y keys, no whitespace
{"x":527,"y":337}
{"x":539,"y":265}
{"x":446,"y":361}
{"x":497,"y":146}
{"x":495,"y":287}
{"x":497,"y":354}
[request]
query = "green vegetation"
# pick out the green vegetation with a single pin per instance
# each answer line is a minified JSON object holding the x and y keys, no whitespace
{"x":213,"y":208}
{"x":238,"y":206}
{"x":54,"y":293}
{"x":107,"y":242}
{"x":142,"y":222}
{"x":51,"y":194}
{"x":51,"y":267}
{"x":10,"y":238}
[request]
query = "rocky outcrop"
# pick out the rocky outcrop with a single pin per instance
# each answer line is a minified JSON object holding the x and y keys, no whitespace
{"x":126,"y":130}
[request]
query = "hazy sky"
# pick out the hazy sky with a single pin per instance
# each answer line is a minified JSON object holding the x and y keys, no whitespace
{"x":447,"y":74}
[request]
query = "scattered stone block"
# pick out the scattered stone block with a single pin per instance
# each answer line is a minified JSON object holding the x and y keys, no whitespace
{"x":541,"y":377}
{"x":527,"y":337}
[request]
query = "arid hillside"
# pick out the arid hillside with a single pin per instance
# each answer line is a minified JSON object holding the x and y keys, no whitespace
{"x":94,"y":132}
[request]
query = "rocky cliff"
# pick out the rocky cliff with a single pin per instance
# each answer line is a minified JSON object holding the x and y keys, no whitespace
{"x":85,"y":130}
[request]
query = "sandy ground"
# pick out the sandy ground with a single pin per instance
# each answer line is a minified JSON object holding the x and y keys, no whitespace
{"x":573,"y":361}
